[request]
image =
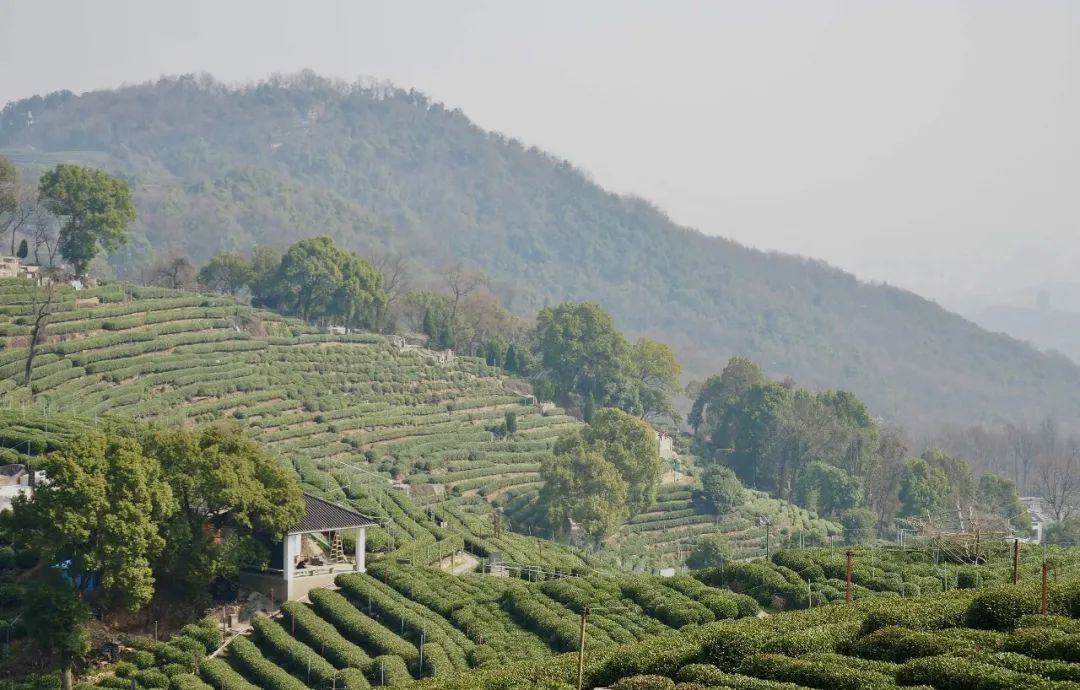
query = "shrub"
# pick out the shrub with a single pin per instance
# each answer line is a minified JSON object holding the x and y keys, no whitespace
{"x":359,"y":628}
{"x":389,"y":670}
{"x":208,"y":635}
{"x":901,"y":644}
{"x":727,"y":647}
{"x":1001,"y":608}
{"x":822,"y":638}
{"x":291,"y":653}
{"x":958,"y":673}
{"x":126,"y":669}
{"x":324,"y":636}
{"x":932,"y":613}
{"x":174,"y":670}
{"x":828,"y":675}
{"x":221,"y":676}
{"x":151,"y":678}
{"x":1046,"y":668}
{"x":644,"y":683}
{"x":143,"y":659}
{"x":260,"y":669}
{"x":187,"y":682}
{"x":1045,"y":643}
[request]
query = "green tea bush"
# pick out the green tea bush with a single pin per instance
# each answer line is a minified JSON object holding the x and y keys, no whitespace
{"x":389,"y":670}
{"x":1001,"y":608}
{"x":292,"y":654}
{"x":827,"y":675}
{"x":151,"y":678}
{"x":1046,"y":668}
{"x":920,"y":614}
{"x":264,"y":672}
{"x":220,"y":675}
{"x":821,"y":638}
{"x":644,"y":683}
{"x":187,"y":682}
{"x":959,"y":673}
{"x":1045,"y":643}
{"x":901,"y":644}
{"x":323,"y":636}
{"x":359,"y":628}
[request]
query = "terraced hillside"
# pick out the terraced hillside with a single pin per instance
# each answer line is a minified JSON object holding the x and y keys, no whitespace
{"x":325,"y":402}
{"x":355,"y":416}
{"x":665,"y":536}
{"x":991,"y":639}
{"x":399,"y":623}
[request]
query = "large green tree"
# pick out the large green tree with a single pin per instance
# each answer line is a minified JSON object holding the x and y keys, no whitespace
{"x":94,"y":208}
{"x":218,"y":475}
{"x":718,"y":392}
{"x":308,"y":277}
{"x":98,"y":517}
{"x":581,"y":352}
{"x":55,"y":615}
{"x":227,"y":272}
{"x":583,"y":486}
{"x":657,"y":372}
{"x":359,"y":299}
{"x":601,"y":474}
{"x":998,"y":496}
{"x":721,"y":490}
{"x":923,"y":489}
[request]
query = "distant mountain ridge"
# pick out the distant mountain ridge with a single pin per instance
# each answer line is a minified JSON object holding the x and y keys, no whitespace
{"x":217,"y":168}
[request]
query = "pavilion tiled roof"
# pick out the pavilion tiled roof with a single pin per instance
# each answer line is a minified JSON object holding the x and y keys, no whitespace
{"x":322,"y":515}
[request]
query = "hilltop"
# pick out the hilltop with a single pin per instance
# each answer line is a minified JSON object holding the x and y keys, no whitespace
{"x":218,"y":168}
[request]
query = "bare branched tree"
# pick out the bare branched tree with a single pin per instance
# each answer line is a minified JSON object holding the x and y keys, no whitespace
{"x":460,"y":282}
{"x":1059,"y":478}
{"x":41,"y":308}
{"x":46,"y":235}
{"x":171,"y":270}
{"x":396,"y":277}
{"x":20,"y":218}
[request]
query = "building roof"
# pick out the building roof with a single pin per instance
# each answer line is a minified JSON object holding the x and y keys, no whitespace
{"x":321,"y":515}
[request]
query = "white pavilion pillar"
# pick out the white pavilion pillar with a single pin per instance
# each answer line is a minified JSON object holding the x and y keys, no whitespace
{"x":292,"y":547}
{"x":361,"y":537}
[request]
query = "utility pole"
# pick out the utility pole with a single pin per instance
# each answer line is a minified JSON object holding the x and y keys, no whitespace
{"x":1042,"y":608}
{"x":847,"y":592}
{"x":1016,"y":561}
{"x":581,"y":648}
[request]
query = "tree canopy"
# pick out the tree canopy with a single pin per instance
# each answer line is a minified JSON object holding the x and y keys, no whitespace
{"x":600,"y":475}
{"x":582,"y":355}
{"x":95,"y":210}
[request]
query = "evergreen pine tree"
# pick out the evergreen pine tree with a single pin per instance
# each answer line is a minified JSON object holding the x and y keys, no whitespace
{"x":429,"y":327}
{"x":511,"y":359}
{"x":23,"y":250}
{"x":589,"y":408}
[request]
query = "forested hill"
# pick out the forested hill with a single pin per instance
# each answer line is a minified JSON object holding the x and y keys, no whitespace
{"x":217,"y":168}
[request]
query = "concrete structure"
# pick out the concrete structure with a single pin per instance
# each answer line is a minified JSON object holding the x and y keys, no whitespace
{"x":15,"y":481}
{"x":13,"y":267}
{"x":311,"y":553}
{"x":1040,"y":513}
{"x":666,"y":445}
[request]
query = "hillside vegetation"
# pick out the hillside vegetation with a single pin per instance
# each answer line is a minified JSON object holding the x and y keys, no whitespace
{"x":215,"y":168}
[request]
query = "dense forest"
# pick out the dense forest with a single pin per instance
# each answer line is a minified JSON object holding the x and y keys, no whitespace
{"x":216,"y":168}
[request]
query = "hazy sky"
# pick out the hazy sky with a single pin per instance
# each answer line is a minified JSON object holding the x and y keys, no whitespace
{"x":930,"y":144}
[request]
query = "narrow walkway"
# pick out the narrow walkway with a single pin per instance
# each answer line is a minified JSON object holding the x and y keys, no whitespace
{"x":460,"y":563}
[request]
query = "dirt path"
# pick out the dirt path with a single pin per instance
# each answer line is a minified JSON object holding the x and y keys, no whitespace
{"x":463,"y":562}
{"x":674,"y":477}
